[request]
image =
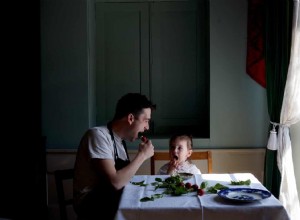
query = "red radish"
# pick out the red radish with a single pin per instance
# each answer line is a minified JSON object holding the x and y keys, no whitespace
{"x":188,"y":185}
{"x":195,"y":187}
{"x":181,"y":184}
{"x":200,"y":192}
{"x":144,"y":139}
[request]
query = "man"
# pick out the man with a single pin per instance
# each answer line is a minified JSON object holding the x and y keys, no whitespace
{"x":102,"y":166}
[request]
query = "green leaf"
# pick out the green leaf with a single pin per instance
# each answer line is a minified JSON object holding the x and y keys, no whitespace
{"x":179,"y":191}
{"x":146,"y":199}
{"x":219,"y":186}
{"x":246,"y":182}
{"x":216,"y":187}
{"x":203,"y":185}
{"x":158,"y":179}
{"x":211,"y":190}
{"x":157,"y":196}
{"x":175,"y":179}
{"x":141,"y":183}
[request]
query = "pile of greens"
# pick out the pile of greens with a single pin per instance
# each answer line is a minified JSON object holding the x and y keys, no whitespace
{"x":175,"y":186}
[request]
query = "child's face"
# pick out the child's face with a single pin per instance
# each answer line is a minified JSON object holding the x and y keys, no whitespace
{"x":179,"y":150}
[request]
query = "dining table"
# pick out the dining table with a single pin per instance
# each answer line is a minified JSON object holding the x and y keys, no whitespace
{"x":192,"y":205}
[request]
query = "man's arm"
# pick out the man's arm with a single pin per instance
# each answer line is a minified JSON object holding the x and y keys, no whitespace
{"x":121,"y":177}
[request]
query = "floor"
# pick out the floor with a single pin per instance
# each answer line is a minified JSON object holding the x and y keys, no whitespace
{"x":53,"y":213}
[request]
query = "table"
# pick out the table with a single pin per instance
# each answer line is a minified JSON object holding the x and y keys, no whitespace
{"x":191,"y":206}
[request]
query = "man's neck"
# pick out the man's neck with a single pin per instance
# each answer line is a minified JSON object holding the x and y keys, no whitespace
{"x":118,"y":127}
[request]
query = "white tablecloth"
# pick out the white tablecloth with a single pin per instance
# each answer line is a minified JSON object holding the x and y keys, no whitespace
{"x":190,"y":206}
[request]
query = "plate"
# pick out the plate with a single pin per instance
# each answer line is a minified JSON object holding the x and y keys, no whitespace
{"x":185,"y":176}
{"x":244,"y":194}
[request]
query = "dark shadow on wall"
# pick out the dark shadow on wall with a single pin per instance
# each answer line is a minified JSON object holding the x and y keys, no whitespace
{"x":22,"y":157}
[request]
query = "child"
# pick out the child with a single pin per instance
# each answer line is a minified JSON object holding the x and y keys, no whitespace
{"x":180,"y":149}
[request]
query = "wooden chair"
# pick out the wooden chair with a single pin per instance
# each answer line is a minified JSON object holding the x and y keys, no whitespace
{"x":196,"y":155}
{"x":60,"y":177}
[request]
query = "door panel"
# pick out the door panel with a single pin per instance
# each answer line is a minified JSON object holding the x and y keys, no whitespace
{"x":178,"y":86}
{"x":122,"y":58}
{"x":154,"y":48}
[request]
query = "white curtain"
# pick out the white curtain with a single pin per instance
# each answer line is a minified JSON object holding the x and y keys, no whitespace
{"x":290,"y":114}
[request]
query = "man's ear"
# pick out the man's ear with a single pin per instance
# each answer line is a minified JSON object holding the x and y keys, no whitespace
{"x":130,"y":118}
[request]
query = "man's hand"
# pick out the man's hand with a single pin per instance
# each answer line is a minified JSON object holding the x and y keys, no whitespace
{"x":146,"y":147}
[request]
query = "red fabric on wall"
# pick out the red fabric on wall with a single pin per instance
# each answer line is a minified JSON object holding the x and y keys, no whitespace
{"x":255,"y":65}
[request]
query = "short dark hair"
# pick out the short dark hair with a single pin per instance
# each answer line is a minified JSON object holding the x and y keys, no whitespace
{"x":133,"y":103}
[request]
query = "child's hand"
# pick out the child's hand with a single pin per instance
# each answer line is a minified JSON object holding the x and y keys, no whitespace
{"x":173,"y":165}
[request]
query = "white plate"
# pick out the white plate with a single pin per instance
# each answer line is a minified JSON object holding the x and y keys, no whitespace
{"x":244,"y":194}
{"x":185,"y":176}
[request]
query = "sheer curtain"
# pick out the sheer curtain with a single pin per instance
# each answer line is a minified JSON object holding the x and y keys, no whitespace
{"x":290,"y":114}
{"x":282,"y":67}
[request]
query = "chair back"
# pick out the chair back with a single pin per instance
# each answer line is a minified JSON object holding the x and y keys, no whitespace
{"x":196,"y":155}
{"x":60,"y":177}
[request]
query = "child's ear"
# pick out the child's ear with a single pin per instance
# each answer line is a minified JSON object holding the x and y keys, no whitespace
{"x":190,"y":152}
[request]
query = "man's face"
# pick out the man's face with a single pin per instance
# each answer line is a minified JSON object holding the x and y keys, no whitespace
{"x":140,"y":124}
